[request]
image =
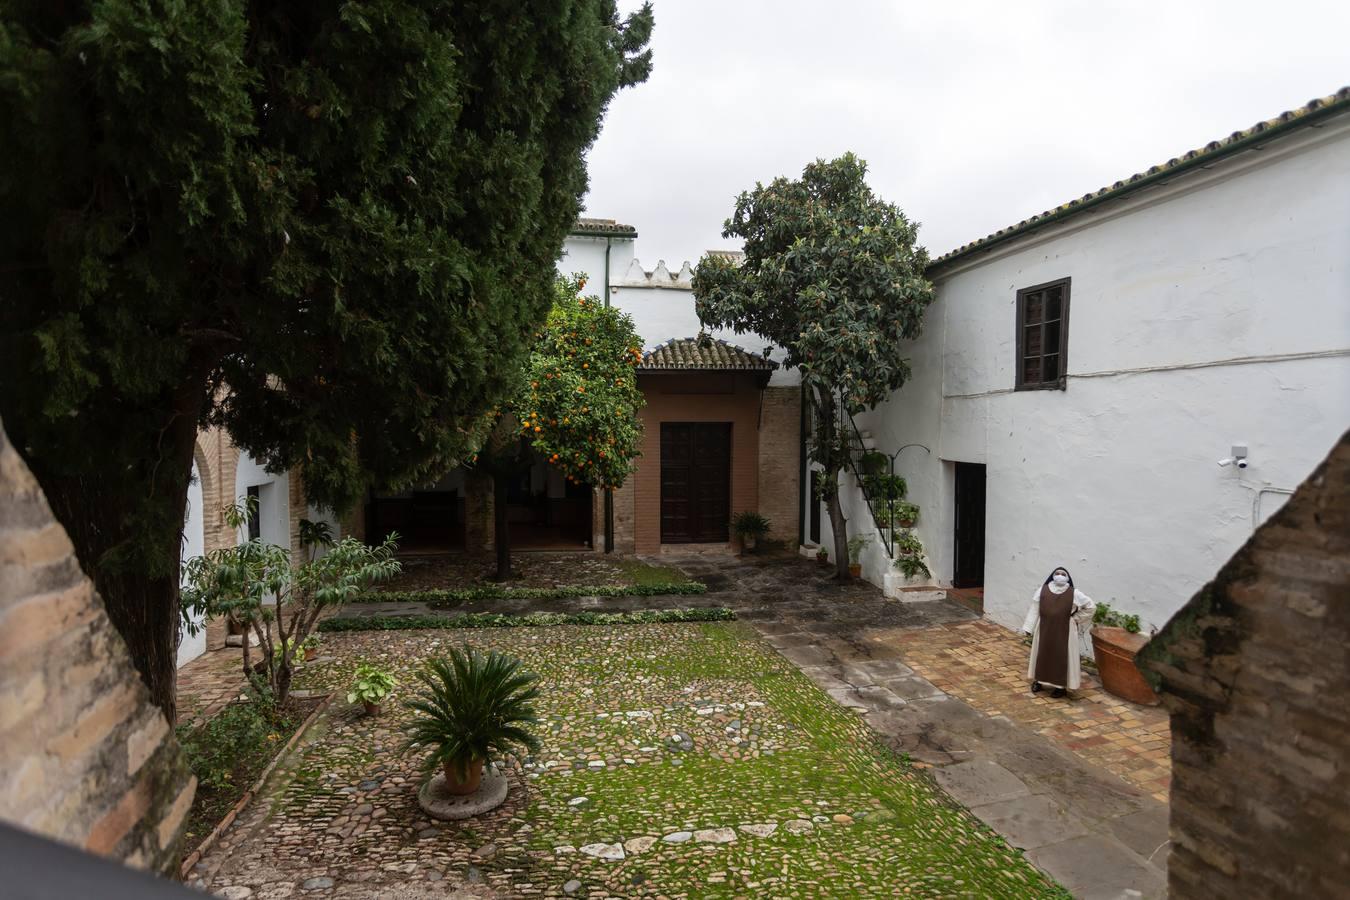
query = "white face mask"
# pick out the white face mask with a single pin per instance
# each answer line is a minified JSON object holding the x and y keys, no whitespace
{"x":1060,"y":580}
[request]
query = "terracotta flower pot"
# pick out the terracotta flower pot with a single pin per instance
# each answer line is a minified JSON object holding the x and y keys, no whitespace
{"x":467,"y":785}
{"x":855,"y":569}
{"x":372,"y":709}
{"x":1115,"y":649}
{"x":822,"y":561}
{"x":905,"y":523}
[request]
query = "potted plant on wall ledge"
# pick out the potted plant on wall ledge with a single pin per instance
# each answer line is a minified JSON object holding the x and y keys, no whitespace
{"x":471,"y":706}
{"x":904,"y":515}
{"x":1115,"y":643}
{"x":750,"y":528}
{"x":909,"y":556}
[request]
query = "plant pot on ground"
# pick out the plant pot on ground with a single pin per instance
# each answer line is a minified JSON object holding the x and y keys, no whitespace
{"x":855,"y":548}
{"x":822,"y":557}
{"x":750,"y":528}
{"x":371,"y":685}
{"x":1116,"y":642}
{"x":471,"y":707}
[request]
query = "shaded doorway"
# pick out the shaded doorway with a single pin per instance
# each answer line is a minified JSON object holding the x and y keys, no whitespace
{"x":695,"y":482}
{"x":813,"y":530}
{"x":968,"y":571}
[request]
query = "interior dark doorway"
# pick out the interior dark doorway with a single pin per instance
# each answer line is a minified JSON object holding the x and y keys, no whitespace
{"x":695,"y":482}
{"x":813,"y":502}
{"x":968,"y":571}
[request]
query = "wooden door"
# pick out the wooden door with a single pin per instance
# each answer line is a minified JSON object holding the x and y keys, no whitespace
{"x":695,"y":482}
{"x":969,"y":569}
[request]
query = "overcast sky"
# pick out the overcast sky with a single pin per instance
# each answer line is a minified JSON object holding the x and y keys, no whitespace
{"x":971,"y":115}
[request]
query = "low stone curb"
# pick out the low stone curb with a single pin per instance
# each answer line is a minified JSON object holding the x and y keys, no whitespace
{"x":185,"y":870}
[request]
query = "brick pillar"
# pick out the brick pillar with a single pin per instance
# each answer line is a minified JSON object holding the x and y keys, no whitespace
{"x":624,"y":517}
{"x":85,"y":757}
{"x":780,"y":461}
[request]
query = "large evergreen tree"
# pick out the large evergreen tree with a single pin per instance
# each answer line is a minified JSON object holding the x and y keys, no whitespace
{"x":834,"y":275}
{"x":328,"y":226}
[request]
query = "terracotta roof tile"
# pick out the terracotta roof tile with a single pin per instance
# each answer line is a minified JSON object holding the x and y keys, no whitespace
{"x":603,"y":227}
{"x":703,"y":353}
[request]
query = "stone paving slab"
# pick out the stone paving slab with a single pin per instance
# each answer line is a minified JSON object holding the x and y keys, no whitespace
{"x":1096,"y":866}
{"x":1032,"y":821}
{"x":979,"y":781}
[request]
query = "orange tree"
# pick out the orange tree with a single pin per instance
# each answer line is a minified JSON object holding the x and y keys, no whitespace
{"x":576,"y":406}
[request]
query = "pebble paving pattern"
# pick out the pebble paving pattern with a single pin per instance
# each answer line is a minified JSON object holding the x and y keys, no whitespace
{"x":680,"y":760}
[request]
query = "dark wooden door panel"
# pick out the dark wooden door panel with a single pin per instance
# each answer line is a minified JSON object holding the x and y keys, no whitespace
{"x":970,"y":503}
{"x":695,"y":482}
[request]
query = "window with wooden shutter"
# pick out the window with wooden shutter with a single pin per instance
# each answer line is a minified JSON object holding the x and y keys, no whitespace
{"x":1043,"y":336}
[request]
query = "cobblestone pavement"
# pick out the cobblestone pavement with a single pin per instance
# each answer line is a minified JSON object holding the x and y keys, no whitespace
{"x":985,"y":665}
{"x":678,"y":760}
{"x":1080,"y":787}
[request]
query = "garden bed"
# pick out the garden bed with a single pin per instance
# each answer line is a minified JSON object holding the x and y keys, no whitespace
{"x":451,"y":598}
{"x":460,"y":571}
{"x":502,"y":620}
{"x":231,"y":755}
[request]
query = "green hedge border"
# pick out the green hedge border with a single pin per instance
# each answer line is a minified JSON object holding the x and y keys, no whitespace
{"x":470,"y":595}
{"x":500,"y":620}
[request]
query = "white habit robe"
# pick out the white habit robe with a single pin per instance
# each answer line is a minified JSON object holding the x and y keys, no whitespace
{"x":1083,"y":608}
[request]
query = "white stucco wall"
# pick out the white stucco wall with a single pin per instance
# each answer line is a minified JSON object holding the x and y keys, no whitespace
{"x":194,"y":544}
{"x":274,"y":501}
{"x":659,"y":313}
{"x":1211,"y":312}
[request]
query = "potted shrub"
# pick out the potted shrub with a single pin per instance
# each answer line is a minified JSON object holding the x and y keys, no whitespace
{"x":904,"y":515}
{"x":855,"y":546}
{"x":750,"y":528}
{"x":471,"y":706}
{"x":822,"y":557}
{"x":873,"y":462}
{"x":1115,"y":643}
{"x":371,"y":686}
{"x":906,"y":544}
{"x":912,"y":566}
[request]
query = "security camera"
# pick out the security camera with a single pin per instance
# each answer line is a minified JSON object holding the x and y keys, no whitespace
{"x":1242,"y":463}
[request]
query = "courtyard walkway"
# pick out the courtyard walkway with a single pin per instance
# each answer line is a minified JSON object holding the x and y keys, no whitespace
{"x":1080,"y":786}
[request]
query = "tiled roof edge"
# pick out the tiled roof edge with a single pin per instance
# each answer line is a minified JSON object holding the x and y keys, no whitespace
{"x":1314,"y":111}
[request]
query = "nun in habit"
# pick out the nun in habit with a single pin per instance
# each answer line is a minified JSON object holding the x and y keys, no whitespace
{"x":1058,"y":613}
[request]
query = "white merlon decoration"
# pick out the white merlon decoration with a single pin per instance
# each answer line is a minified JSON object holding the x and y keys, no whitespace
{"x":636,"y":276}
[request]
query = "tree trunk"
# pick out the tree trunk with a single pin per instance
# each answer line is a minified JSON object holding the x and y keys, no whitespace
{"x":839,"y":528}
{"x":501,"y":533}
{"x":130,"y":544}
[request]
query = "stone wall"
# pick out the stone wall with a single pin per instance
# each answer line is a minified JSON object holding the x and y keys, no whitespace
{"x":1256,"y":676}
{"x":85,"y":758}
{"x":780,"y":449}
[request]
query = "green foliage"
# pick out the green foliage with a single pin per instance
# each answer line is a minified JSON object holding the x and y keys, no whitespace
{"x":1109,"y":617}
{"x":580,"y":408}
{"x":528,"y":620}
{"x":749,"y":524}
{"x":908,"y":544}
{"x":874,"y":463}
{"x":239,"y":581}
{"x":370,"y":684}
{"x":902,"y":511}
{"x":855,"y":547}
{"x":911,"y":566}
{"x":885,"y":488}
{"x":834,"y":276}
{"x":330,"y":228}
{"x":218,"y":750}
{"x":472,"y":706}
{"x":447,"y":598}
{"x":822,"y":553}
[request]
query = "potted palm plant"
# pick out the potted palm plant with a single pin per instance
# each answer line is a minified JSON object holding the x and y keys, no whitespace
{"x":1115,"y":643}
{"x":750,"y":528}
{"x":371,"y":686}
{"x":471,"y":706}
{"x":855,"y":546}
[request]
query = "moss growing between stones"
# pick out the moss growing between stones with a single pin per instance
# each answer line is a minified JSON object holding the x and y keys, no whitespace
{"x":648,"y":732}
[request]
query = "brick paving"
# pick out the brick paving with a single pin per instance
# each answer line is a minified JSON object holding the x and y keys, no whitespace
{"x":985,"y":665}
{"x":208,"y":683}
